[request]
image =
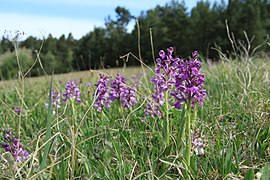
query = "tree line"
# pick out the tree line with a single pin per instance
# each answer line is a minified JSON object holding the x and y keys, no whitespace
{"x":201,"y":28}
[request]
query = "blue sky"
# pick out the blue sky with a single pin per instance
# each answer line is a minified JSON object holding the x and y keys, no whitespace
{"x":40,"y":17}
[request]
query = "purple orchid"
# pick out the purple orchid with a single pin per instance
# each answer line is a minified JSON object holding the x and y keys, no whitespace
{"x":102,"y":95}
{"x":72,"y":92}
{"x":189,"y":83}
{"x":13,"y":146}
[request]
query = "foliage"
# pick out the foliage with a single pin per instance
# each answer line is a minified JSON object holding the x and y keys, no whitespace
{"x":9,"y":65}
{"x":202,"y":29}
{"x":115,"y":143}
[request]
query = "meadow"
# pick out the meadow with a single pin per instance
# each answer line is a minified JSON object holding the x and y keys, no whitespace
{"x":228,"y":136}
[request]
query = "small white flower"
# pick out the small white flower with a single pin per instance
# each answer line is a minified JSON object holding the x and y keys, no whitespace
{"x":199,"y":151}
{"x":197,"y":143}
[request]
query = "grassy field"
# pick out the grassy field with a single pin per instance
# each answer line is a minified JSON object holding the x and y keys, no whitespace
{"x":78,"y":142}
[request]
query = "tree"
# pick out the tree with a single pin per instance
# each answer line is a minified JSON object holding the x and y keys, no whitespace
{"x":117,"y":37}
{"x":207,"y":28}
{"x":254,"y":26}
{"x":169,"y":26}
{"x":90,"y":50}
{"x":5,"y":45}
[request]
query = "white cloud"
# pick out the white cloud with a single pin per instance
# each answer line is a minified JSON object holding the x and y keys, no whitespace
{"x":39,"y":26}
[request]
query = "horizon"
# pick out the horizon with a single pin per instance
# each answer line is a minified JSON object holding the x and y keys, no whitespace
{"x":41,"y":18}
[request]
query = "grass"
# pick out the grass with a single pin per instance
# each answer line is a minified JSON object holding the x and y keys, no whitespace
{"x":116,"y":144}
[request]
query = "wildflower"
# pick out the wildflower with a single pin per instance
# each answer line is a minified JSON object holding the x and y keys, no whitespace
{"x":120,"y":90}
{"x":128,"y":97}
{"x":102,"y":95}
{"x":56,"y":100}
{"x":198,"y":147}
{"x":17,"y":110}
{"x":197,"y":143}
{"x":152,"y":110}
{"x":163,"y":80}
{"x":189,"y":82}
{"x":72,"y":92}
{"x":117,"y":87}
{"x":13,"y":146}
{"x":88,"y":84}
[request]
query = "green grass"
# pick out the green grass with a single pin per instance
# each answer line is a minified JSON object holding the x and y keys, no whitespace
{"x":116,"y":144}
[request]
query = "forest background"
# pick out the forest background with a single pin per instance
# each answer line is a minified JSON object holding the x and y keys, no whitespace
{"x":203,"y":28}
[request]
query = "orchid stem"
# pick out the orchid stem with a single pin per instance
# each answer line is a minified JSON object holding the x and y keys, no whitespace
{"x":188,"y":142}
{"x":166,"y":120}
